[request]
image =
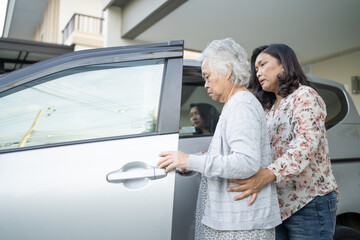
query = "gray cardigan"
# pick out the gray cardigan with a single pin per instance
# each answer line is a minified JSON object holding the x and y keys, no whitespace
{"x":239,"y":147}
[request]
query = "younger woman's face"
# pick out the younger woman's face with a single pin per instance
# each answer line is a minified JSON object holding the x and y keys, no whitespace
{"x":267,"y":69}
{"x":195,"y":118}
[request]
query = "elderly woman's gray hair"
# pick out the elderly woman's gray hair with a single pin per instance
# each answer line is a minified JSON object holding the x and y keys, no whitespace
{"x":224,"y":53}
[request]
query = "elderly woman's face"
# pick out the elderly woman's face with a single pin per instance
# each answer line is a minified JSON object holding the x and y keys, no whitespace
{"x":267,"y":69}
{"x":215,"y":84}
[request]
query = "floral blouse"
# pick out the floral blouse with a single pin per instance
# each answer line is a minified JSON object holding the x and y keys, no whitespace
{"x":300,"y":150}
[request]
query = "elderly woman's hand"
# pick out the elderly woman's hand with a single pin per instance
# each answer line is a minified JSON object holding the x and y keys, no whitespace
{"x":252,"y":185}
{"x":173,"y":159}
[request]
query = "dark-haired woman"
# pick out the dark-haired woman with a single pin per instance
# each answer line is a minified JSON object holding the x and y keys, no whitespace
{"x":204,"y":117}
{"x":296,"y":114}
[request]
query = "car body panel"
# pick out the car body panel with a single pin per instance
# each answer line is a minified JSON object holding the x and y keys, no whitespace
{"x":62,"y":192}
{"x":186,"y":191}
{"x":347,"y":175}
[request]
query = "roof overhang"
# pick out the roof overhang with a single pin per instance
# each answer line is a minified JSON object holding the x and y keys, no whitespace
{"x":23,"y":18}
{"x":138,"y":16}
{"x":16,"y":53}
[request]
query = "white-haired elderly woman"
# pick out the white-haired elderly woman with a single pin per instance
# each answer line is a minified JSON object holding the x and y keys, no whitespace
{"x":239,"y":147}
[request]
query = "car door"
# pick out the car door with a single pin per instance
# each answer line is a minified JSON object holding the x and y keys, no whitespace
{"x":80,"y":136}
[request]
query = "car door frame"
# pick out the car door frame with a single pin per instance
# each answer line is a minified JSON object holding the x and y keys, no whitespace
{"x":169,"y":107}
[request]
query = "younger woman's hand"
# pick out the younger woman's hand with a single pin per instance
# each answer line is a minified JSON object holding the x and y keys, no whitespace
{"x":253,"y":185}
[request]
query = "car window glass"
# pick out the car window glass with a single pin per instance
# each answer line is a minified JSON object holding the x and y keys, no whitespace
{"x":83,"y":103}
{"x":199,"y":113}
{"x":336,"y":105}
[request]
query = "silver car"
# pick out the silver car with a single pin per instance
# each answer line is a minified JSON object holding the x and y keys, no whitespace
{"x":81,"y":134}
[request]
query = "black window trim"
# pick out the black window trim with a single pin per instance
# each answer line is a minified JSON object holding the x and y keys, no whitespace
{"x":343,"y":102}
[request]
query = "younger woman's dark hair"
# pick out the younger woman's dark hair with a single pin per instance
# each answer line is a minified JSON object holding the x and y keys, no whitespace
{"x":209,"y":114}
{"x":288,"y":81}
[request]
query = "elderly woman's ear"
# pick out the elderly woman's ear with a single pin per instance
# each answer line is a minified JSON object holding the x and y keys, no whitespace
{"x":229,"y":72}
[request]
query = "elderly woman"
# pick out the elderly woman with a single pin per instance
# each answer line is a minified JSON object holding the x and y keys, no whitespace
{"x":301,"y":164}
{"x":239,"y":147}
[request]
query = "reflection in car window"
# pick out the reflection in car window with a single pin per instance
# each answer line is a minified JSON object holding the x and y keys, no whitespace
{"x":83,"y":103}
{"x":203,"y":117}
{"x":199,"y":113}
{"x":336,"y":105}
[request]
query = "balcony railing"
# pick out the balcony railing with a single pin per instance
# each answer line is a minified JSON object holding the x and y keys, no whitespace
{"x":82,"y":23}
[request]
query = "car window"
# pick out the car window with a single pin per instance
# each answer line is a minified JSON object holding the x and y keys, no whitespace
{"x":336,"y":105}
{"x":88,"y":102}
{"x":199,"y":113}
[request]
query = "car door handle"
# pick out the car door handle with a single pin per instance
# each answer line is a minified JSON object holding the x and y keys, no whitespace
{"x":120,"y":176}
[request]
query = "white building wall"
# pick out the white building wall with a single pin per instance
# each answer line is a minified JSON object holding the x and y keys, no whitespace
{"x":112,"y":29}
{"x":67,"y":9}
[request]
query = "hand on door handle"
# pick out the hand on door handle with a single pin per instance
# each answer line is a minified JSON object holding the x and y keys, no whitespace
{"x":120,"y":176}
